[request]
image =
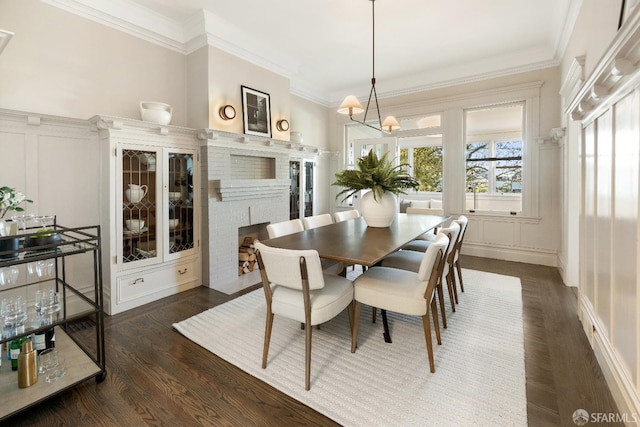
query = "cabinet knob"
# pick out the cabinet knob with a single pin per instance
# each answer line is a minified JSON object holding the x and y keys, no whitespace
{"x":183,"y":271}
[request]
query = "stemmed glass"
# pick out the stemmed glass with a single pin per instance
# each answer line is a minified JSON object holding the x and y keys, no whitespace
{"x":44,"y":220}
{"x":22,"y":220}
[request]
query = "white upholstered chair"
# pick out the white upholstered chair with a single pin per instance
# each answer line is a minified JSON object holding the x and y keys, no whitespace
{"x":316,"y":221}
{"x":345,"y":215}
{"x":403,"y":291}
{"x":463,"y":222}
{"x":283,"y":228}
{"x":296,"y":288}
{"x":411,"y":261}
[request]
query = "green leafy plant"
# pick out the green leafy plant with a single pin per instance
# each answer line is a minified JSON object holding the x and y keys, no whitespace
{"x":376,"y":174}
{"x":10,"y":199}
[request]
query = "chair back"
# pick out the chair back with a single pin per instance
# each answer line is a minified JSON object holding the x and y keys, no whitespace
{"x":316,"y":221}
{"x":345,"y":215}
{"x":452,"y":232}
{"x":431,"y":259}
{"x":284,"y":228}
{"x":290,"y":268}
{"x":462,"y":221}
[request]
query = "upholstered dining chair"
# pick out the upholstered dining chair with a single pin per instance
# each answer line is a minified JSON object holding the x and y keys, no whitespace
{"x":283,"y":228}
{"x":411,"y":261}
{"x":406,"y":292}
{"x":316,"y":221}
{"x":463,"y":222}
{"x":296,"y":288}
{"x":345,"y":215}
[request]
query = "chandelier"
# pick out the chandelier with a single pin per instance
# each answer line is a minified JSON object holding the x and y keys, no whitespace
{"x":352,"y":106}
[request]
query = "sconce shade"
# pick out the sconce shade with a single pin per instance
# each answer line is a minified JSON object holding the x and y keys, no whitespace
{"x":282,"y":125}
{"x":227,"y":112}
{"x":350,"y":106}
{"x":390,"y":123}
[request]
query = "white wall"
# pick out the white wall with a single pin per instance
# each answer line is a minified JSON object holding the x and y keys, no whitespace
{"x":61,"y":64}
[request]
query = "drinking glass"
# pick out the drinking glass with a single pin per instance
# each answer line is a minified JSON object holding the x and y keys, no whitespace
{"x":44,"y":220}
{"x":51,"y":365}
{"x":22,"y":220}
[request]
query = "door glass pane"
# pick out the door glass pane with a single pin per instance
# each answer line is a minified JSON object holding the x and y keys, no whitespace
{"x":180,"y":202}
{"x":308,"y":188}
{"x":138,"y":205}
{"x":294,"y":190}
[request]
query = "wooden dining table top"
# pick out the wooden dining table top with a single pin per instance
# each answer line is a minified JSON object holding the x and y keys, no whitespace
{"x":353,"y":242}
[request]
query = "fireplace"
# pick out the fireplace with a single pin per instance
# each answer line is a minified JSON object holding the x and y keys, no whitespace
{"x":247,"y":188}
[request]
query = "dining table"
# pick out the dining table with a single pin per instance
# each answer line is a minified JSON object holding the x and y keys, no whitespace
{"x":354,"y":242}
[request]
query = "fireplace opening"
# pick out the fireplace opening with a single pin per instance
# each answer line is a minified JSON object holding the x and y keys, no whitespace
{"x":247,"y":261}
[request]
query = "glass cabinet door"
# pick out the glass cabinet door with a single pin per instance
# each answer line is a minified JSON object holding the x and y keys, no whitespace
{"x":139,"y":205}
{"x":180,"y":206}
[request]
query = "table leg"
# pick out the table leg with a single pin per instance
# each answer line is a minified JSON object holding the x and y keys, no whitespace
{"x":385,"y":324}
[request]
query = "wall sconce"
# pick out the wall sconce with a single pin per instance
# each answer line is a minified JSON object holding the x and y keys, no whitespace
{"x":282,"y":125}
{"x":227,"y":112}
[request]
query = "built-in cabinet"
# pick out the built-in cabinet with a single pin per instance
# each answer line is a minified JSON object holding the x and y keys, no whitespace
{"x":302,"y":174}
{"x":150,"y":197}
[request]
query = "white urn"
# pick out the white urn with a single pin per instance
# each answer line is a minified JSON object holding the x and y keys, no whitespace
{"x":381,"y":212}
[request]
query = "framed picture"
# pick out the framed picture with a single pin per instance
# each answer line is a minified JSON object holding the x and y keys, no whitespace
{"x":256,"y":112}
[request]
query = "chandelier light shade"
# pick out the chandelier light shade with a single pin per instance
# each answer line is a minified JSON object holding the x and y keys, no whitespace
{"x":352,"y":106}
{"x":390,"y":123}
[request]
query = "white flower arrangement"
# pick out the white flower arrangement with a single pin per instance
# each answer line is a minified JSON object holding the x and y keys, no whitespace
{"x":10,"y":199}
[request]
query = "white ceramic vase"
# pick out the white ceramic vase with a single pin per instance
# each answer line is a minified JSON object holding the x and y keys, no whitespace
{"x":381,"y":212}
{"x":156,"y":112}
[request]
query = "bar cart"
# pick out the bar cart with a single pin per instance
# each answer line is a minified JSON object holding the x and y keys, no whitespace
{"x":65,"y":264}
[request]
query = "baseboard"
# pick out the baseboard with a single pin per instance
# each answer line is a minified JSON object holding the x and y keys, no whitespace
{"x":621,"y":386}
{"x":528,"y":256}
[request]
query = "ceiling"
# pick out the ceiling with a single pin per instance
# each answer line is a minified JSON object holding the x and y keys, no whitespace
{"x":325,"y":46}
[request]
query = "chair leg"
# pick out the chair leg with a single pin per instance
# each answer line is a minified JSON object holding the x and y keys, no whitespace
{"x":459,"y":275}
{"x":267,"y":339}
{"x":449,"y":288}
{"x":307,"y":357}
{"x":427,"y":335}
{"x":453,"y":281}
{"x":441,"y":299}
{"x":436,"y":324}
{"x":354,"y":326}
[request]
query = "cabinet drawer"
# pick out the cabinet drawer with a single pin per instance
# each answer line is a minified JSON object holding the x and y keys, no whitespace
{"x":162,"y":279}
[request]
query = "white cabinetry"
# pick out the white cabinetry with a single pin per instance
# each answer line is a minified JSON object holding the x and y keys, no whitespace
{"x":150,"y":209}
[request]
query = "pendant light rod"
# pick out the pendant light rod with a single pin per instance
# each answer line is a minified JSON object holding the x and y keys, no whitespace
{"x":351,"y":105}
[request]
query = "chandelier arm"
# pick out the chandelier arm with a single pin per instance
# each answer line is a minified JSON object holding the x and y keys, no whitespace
{"x":371,"y":126}
{"x":371,"y":93}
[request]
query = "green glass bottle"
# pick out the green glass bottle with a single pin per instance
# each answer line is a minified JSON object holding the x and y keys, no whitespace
{"x":14,"y":350}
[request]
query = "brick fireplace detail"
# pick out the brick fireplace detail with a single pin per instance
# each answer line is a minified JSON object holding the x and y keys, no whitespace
{"x":246,"y":186}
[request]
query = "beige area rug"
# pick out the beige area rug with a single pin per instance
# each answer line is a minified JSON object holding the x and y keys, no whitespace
{"x":479,"y":378}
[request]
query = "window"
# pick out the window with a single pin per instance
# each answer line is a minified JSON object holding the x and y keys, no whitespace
{"x":424,"y":154}
{"x":494,"y":158}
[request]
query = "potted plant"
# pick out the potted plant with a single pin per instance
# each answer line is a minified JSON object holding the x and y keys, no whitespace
{"x":10,"y":201}
{"x":378,"y":174}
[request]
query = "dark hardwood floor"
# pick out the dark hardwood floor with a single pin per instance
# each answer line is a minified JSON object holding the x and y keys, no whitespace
{"x":158,"y":377}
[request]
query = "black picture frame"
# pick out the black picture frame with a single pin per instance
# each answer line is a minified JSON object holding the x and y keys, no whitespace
{"x":256,"y":112}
